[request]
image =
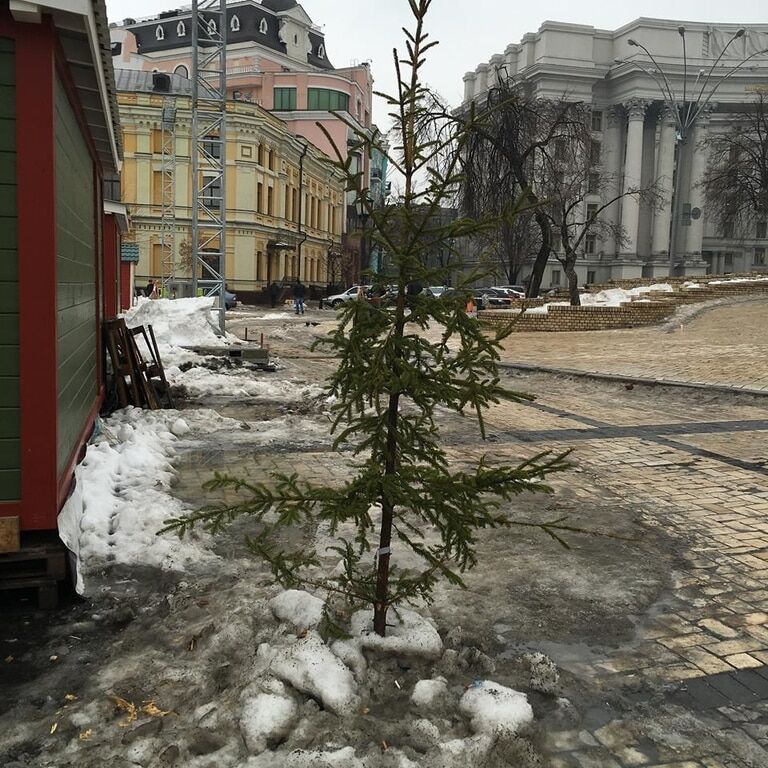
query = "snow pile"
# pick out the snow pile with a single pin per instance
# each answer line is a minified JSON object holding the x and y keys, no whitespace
{"x":408,"y":634}
{"x":121,"y":498}
{"x":739,"y":280}
{"x":299,"y":608}
{"x":611,"y":297}
{"x":304,"y":758}
{"x":492,"y":708}
{"x":429,"y":693}
{"x":179,"y":322}
{"x":267,"y":718}
{"x":693,"y":286}
{"x":310,"y":666}
{"x":201,"y":382}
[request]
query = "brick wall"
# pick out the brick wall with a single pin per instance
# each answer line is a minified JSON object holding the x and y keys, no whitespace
{"x":660,"y":305}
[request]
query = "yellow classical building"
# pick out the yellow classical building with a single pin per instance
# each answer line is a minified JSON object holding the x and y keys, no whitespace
{"x":273,"y":178}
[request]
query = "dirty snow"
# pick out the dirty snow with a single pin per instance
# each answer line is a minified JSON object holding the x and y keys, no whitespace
{"x":311,"y":667}
{"x":493,"y":708}
{"x":299,"y":608}
{"x":408,"y":634}
{"x":266,"y":718}
{"x":428,"y":693}
{"x":121,"y":498}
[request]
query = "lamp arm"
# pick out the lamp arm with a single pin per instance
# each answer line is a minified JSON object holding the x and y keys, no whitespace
{"x":713,"y":67}
{"x":730,"y":74}
{"x":670,"y":92}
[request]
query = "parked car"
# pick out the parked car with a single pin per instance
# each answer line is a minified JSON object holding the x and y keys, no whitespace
{"x":516,"y":290}
{"x":351,"y":293}
{"x":492,"y":298}
{"x":230,"y":300}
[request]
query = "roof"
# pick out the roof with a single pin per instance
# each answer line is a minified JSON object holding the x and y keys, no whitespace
{"x":279,"y":5}
{"x":142,"y":81}
{"x":83,"y":32}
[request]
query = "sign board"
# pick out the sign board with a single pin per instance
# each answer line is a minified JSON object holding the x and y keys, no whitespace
{"x":9,"y":534}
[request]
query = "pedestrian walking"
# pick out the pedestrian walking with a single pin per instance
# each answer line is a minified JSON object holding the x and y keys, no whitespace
{"x":299,"y":292}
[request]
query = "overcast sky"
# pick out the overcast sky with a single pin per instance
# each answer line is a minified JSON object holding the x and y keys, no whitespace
{"x":469,"y":31}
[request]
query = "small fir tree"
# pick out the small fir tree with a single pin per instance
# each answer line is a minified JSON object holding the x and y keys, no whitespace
{"x":390,"y":381}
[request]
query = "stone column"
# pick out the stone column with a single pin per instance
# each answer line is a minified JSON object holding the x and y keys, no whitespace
{"x":469,"y":86}
{"x":695,"y":233}
{"x":611,"y":162}
{"x":481,"y":85}
{"x":633,"y":169}
{"x":664,"y":176}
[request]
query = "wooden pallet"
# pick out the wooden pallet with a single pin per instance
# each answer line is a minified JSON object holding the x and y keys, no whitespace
{"x":39,"y":566}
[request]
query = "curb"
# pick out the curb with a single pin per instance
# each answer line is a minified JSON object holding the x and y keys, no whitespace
{"x":643,"y":381}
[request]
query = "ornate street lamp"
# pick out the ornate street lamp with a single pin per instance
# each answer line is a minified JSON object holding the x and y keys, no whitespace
{"x":362,"y":209}
{"x":685,"y":110}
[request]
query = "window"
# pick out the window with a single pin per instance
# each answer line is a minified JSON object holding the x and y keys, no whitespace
{"x":234,"y":24}
{"x":321,"y":52}
{"x":295,"y":39}
{"x":590,"y":277}
{"x":761,"y":230}
{"x":323,"y":98}
{"x":260,"y":155}
{"x":159,"y":33}
{"x":259,"y":197}
{"x":590,"y":245}
{"x":211,"y":192}
{"x":591,"y":210}
{"x":263,"y":26}
{"x":181,"y":30}
{"x":594,"y":153}
{"x":181,"y":70}
{"x":727,"y":225}
{"x":270,"y":201}
{"x":555,"y":277}
{"x":597,"y":120}
{"x":593,"y":183}
{"x":285,"y":99}
{"x":556,"y":242}
{"x":759,"y":257}
{"x":212,"y":146}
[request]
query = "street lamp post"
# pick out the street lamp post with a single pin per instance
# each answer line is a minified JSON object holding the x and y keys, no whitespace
{"x":686,"y":111}
{"x":363,"y":213}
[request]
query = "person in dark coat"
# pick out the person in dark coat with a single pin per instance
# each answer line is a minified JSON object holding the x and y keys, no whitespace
{"x":149,"y":289}
{"x":299,"y":292}
{"x":274,"y":291}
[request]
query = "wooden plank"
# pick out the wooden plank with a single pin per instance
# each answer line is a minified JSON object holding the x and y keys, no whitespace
{"x":10,"y":534}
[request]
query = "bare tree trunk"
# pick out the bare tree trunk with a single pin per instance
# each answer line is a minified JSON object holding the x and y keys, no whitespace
{"x":573,"y":280}
{"x":537,"y":273}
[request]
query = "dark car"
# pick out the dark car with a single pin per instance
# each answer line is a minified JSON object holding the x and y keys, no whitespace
{"x":492,"y":298}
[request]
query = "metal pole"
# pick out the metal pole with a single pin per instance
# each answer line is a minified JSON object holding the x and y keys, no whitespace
{"x":674,"y":227}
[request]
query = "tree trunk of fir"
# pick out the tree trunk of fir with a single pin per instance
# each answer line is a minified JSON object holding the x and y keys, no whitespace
{"x":381,"y":604}
{"x":573,"y":282}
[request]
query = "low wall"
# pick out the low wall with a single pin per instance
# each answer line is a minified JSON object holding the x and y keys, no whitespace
{"x":654,"y":309}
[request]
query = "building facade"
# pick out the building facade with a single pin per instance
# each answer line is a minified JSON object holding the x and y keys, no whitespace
{"x":277,"y":60}
{"x":637,"y":133}
{"x":285,"y":203}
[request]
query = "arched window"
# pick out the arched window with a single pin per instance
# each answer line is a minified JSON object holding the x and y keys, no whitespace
{"x":234,"y":24}
{"x":181,"y":30}
{"x":263,"y":27}
{"x":159,"y":33}
{"x":212,"y":29}
{"x":181,"y":70}
{"x":321,"y":51}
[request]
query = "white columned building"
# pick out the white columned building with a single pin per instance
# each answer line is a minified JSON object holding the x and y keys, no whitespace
{"x":640,"y":143}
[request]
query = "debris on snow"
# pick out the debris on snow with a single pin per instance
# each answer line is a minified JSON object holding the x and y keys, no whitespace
{"x":493,"y":708}
{"x":267,"y":718}
{"x":408,"y":634}
{"x":544,"y":675}
{"x":310,"y":666}
{"x":299,"y":608}
{"x":430,"y":693}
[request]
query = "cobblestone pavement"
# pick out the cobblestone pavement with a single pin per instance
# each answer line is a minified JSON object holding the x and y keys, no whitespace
{"x":725,"y":345}
{"x":688,"y":688}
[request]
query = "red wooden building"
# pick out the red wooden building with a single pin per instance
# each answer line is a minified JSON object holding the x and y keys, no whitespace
{"x":59,"y":249}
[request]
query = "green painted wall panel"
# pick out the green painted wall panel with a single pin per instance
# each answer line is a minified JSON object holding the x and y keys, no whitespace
{"x":10,"y":484}
{"x":76,"y":279}
{"x":10,"y":418}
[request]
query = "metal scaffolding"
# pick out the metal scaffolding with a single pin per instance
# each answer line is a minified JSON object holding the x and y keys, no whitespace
{"x":168,"y":188}
{"x":209,"y":100}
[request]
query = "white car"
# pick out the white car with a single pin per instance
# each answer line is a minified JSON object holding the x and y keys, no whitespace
{"x":351,"y":293}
